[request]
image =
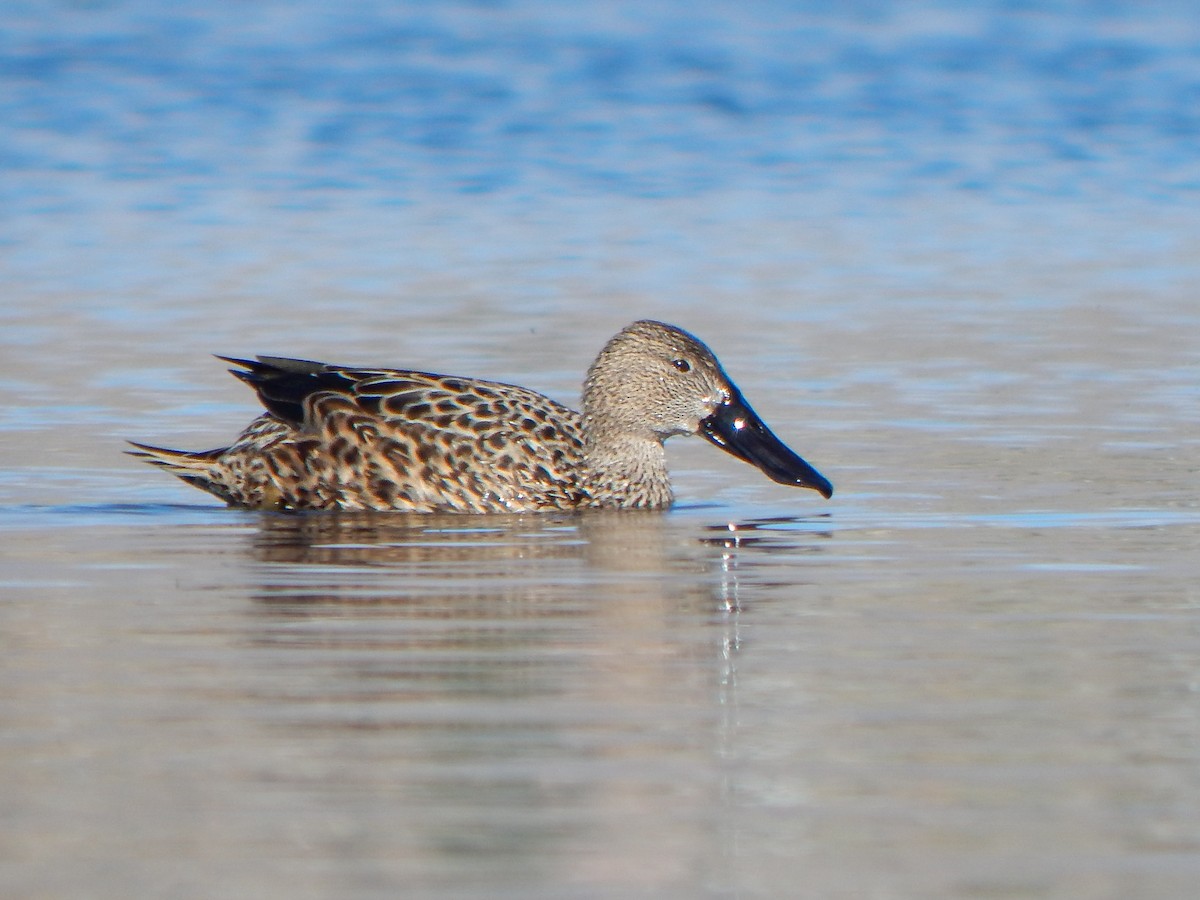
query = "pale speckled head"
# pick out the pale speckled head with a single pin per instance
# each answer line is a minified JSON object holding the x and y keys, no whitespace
{"x":654,"y":380}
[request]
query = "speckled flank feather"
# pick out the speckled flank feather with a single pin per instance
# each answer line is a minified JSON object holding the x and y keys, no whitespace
{"x":340,"y":437}
{"x":400,"y":440}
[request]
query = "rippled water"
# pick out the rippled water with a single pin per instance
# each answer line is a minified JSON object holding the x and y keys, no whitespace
{"x":949,"y":251}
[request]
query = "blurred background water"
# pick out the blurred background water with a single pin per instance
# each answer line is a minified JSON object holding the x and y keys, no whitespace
{"x":949,"y":251}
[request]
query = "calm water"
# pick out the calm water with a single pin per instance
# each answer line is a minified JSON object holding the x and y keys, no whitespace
{"x":949,"y":251}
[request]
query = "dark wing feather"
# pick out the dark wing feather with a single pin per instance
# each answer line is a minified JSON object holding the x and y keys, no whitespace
{"x":284,"y":384}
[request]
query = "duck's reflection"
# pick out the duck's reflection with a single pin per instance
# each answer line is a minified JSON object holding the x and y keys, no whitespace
{"x":570,"y":680}
{"x":373,"y":539}
{"x":767,"y":535}
{"x":501,"y":556}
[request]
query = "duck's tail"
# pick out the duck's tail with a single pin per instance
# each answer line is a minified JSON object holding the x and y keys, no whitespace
{"x":201,"y":469}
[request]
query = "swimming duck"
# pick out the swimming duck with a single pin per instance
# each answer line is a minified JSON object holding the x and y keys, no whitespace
{"x":350,"y":437}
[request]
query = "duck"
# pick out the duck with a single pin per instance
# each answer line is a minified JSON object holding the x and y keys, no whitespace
{"x":361,"y":438}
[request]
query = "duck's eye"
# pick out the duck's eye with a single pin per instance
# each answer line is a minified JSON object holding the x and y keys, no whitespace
{"x":682,"y":365}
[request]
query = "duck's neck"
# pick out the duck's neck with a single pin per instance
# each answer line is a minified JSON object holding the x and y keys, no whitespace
{"x":627,"y":471}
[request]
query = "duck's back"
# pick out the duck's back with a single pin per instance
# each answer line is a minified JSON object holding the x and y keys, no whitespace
{"x":349,"y":438}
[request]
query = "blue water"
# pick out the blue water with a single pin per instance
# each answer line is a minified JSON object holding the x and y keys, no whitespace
{"x":406,"y":101}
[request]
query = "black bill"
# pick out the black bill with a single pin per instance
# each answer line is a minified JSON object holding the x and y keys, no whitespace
{"x":737,"y":429}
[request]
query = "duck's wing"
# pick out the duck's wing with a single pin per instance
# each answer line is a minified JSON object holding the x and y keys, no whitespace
{"x":430,"y":432}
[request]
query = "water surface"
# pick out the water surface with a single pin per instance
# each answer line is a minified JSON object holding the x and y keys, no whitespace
{"x":948,"y":251}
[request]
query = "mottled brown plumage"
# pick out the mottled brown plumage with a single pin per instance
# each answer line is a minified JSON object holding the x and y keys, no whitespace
{"x":343,"y":437}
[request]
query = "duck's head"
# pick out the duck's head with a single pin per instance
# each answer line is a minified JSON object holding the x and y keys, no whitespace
{"x":654,"y":380}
